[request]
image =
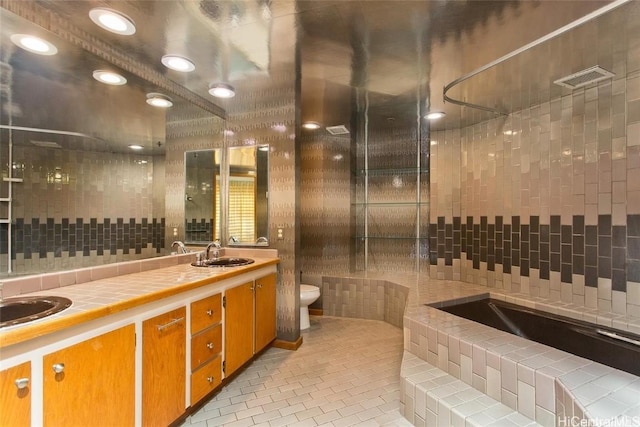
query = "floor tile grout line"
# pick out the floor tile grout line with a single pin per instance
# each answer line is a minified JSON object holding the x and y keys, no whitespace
{"x":341,"y":359}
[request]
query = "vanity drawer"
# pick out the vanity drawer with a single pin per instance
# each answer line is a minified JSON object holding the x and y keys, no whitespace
{"x":205,"y":345}
{"x":206,"y":379}
{"x":206,"y":312}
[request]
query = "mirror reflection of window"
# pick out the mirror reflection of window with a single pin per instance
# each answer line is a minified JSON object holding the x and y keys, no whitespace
{"x":242,"y":208}
{"x":248,"y":195}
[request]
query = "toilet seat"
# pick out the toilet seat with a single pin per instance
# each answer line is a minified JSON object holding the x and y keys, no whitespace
{"x":309,"y":289}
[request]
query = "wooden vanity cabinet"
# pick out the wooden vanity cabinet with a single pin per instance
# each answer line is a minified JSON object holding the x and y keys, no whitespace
{"x":163,"y":368}
{"x":89,"y":377}
{"x":92,"y":382}
{"x":250,"y":320}
{"x":15,"y":396}
{"x":206,"y":346}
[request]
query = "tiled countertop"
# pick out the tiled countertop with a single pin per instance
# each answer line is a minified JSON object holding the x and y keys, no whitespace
{"x":101,"y":297}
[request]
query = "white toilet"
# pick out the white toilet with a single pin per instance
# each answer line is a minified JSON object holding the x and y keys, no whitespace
{"x":308,"y":294}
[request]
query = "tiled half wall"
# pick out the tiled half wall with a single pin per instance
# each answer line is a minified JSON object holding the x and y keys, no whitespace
{"x":364,"y":299}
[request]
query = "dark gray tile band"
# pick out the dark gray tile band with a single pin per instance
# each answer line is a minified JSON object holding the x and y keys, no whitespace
{"x":592,"y":251}
{"x":38,"y":239}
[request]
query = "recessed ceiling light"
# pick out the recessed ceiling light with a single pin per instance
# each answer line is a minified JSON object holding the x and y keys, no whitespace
{"x":34,"y":44}
{"x":229,"y":132}
{"x":178,"y":63}
{"x":136,"y":147}
{"x":435,"y":115}
{"x":510,"y":132}
{"x":222,"y":90}
{"x":159,"y":100}
{"x":112,"y":20}
{"x":311,"y":125}
{"x":109,"y":77}
{"x":279,"y":127}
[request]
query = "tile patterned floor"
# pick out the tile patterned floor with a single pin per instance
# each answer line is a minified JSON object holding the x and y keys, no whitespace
{"x":346,"y":373}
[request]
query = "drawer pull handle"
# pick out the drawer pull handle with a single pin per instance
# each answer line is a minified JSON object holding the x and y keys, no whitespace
{"x":259,"y":286}
{"x":22,"y":383}
{"x":210,"y":345}
{"x":58,"y":368}
{"x":210,"y":380}
{"x":210,"y":312}
{"x":173,"y":322}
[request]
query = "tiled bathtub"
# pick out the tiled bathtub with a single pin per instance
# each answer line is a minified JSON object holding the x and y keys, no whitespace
{"x":537,"y":382}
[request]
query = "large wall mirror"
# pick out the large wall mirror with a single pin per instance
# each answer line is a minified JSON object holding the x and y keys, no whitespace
{"x":226,"y":196}
{"x":95,"y":170}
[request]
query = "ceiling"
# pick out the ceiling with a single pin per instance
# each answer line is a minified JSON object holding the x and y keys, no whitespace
{"x":400,"y":53}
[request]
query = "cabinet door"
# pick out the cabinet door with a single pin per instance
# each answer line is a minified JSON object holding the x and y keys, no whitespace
{"x":238,"y":323}
{"x":91,"y":383}
{"x":265,"y":310}
{"x":15,"y":396}
{"x":163,"y":367}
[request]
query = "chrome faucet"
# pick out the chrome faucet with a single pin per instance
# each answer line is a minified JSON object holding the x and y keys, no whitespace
{"x":216,"y":252}
{"x":181,"y":248}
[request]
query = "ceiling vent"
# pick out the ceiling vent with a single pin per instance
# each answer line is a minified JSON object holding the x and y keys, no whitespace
{"x":46,"y":144}
{"x":337,"y":130}
{"x":584,"y":77}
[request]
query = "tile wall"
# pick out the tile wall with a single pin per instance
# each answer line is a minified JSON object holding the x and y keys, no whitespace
{"x":545,"y":201}
{"x":82,"y":208}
